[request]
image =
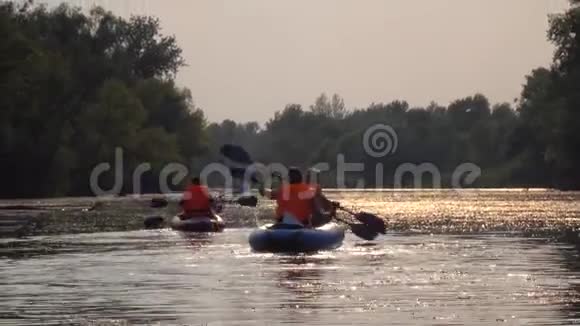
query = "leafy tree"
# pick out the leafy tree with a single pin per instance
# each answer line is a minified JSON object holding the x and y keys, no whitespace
{"x":549,"y":105}
{"x":75,"y":86}
{"x":333,"y":108}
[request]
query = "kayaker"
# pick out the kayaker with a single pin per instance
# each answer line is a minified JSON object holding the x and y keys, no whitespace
{"x":324,"y":209}
{"x":296,"y":200}
{"x":196,"y":200}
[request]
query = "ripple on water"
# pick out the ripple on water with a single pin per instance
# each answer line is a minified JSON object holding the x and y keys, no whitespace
{"x":417,"y":279}
{"x":403,"y":278}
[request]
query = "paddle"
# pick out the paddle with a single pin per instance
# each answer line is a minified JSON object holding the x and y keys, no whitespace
{"x":372,"y":221}
{"x":250,"y":201}
{"x":158,"y":202}
{"x":238,"y":160}
{"x":360,"y":230}
{"x":237,"y":154}
{"x":154,"y":222}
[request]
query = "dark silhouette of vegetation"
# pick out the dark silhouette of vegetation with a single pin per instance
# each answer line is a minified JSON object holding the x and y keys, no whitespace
{"x":74,"y":86}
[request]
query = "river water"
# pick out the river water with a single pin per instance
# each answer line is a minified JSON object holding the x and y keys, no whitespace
{"x":479,"y":258}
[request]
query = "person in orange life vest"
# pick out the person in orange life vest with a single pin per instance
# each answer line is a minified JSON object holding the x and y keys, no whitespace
{"x":295,"y":200}
{"x":325,"y":209}
{"x":196,"y":200}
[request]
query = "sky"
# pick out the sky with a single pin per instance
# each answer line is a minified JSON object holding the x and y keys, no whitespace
{"x":250,"y":58}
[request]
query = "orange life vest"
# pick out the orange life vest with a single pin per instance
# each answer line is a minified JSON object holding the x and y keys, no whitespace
{"x":196,"y":199}
{"x":295,"y":199}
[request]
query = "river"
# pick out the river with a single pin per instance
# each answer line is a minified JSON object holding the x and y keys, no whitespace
{"x":468,"y":258}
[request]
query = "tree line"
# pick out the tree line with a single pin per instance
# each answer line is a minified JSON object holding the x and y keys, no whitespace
{"x":75,"y":85}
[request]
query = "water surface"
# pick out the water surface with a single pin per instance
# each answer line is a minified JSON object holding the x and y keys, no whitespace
{"x":410,"y":276}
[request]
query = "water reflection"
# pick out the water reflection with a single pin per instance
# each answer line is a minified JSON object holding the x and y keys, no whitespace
{"x":197,"y":240}
{"x":570,"y":251}
{"x":36,"y":247}
{"x":303,"y":277}
{"x":436,"y":211}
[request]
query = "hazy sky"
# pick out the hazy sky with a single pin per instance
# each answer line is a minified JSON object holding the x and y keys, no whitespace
{"x":249,"y":58}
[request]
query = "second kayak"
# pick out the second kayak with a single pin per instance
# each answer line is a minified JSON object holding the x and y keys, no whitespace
{"x":293,"y":238}
{"x":198,"y":224}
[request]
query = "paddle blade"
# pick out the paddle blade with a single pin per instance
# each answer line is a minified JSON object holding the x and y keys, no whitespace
{"x":238,"y":161}
{"x":363,"y":231}
{"x":250,"y":201}
{"x":236,"y":153}
{"x":158,"y":202}
{"x":374,"y":222}
{"x":153,"y":222}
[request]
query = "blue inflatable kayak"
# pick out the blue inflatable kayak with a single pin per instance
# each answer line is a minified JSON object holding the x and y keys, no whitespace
{"x":294,"y":238}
